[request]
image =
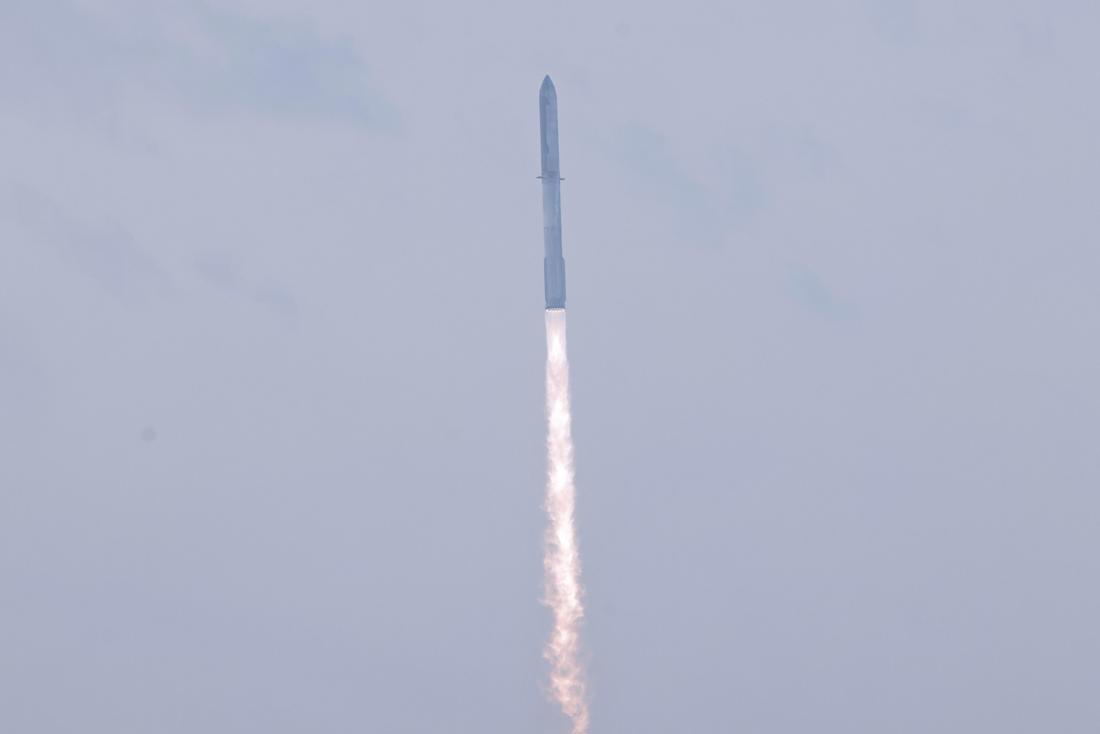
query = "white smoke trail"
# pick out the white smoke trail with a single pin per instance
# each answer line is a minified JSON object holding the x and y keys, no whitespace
{"x":562,"y":560}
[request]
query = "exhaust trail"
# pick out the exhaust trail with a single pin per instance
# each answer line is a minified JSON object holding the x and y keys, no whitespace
{"x":562,"y":559}
{"x":562,"y":556}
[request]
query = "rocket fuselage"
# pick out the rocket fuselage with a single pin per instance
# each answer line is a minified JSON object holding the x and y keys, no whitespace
{"x":553,"y":264}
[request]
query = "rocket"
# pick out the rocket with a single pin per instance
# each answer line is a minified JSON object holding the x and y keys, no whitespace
{"x":553,"y":264}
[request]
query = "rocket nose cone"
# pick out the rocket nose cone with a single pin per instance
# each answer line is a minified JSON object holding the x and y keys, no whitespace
{"x":548,"y":128}
{"x":547,"y":88}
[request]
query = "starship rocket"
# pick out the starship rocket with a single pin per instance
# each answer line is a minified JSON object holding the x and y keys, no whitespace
{"x":553,"y":264}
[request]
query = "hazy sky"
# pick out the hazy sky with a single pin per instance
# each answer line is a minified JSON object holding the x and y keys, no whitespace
{"x":271,"y":365}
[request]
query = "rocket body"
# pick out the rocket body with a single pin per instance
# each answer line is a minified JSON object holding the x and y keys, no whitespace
{"x":553,"y":264}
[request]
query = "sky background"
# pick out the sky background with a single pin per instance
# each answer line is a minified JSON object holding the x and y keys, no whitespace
{"x":271,"y":364}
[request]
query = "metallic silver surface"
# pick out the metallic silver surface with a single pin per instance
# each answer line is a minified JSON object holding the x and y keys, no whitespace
{"x":553,"y":263}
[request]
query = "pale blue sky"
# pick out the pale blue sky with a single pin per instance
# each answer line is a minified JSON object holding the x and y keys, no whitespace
{"x":271,"y":432}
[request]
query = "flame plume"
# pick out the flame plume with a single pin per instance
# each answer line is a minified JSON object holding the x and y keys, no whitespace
{"x":562,"y":559}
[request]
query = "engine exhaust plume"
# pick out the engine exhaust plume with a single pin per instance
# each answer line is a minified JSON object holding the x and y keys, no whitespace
{"x":562,"y":556}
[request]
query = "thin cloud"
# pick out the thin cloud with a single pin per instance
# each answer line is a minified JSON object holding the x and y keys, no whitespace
{"x":812,"y":293}
{"x":707,"y":212}
{"x":223,"y":271}
{"x":102,"y":250}
{"x":59,"y":55}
